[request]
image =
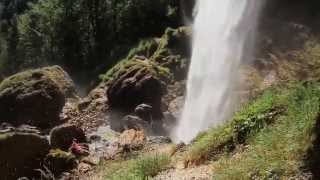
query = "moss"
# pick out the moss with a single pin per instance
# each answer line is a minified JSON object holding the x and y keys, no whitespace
{"x":4,"y":136}
{"x":17,"y":80}
{"x":59,"y":161}
{"x":145,"y":48}
{"x":164,"y":55}
{"x":137,"y":65}
{"x":174,"y":42}
{"x":27,"y":79}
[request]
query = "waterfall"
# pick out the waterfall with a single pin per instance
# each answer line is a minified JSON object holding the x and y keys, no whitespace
{"x":222,"y":31}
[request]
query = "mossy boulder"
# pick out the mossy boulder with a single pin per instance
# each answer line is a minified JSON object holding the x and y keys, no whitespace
{"x":61,"y":137}
{"x":34,"y":97}
{"x":136,"y":82}
{"x":21,"y":152}
{"x":59,"y":161}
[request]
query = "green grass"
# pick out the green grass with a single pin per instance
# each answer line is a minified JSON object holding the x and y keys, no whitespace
{"x":142,"y":168}
{"x":245,"y":123}
{"x":279,"y":150}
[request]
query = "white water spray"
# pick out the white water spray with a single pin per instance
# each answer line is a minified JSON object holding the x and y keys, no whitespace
{"x":222,"y":29}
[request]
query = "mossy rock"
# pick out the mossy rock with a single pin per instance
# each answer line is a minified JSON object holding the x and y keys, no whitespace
{"x":21,"y":153}
{"x":59,"y":161}
{"x":174,"y":51}
{"x":54,"y":73}
{"x":136,"y":82}
{"x":61,"y":137}
{"x":34,"y":97}
{"x":175,"y":42}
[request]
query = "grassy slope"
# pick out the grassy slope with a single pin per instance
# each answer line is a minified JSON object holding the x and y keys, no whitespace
{"x":276,"y":142}
{"x":278,"y":151}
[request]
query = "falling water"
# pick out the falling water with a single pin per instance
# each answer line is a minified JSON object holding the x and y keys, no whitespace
{"x":222,"y":30}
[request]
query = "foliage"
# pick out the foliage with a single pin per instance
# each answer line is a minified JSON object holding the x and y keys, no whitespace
{"x":164,"y":56}
{"x":82,"y":35}
{"x":139,"y":169}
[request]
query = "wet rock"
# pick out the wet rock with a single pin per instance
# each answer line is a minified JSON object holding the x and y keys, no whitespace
{"x":21,"y":151}
{"x":159,"y":140}
{"x":62,"y":136}
{"x":34,"y":97}
{"x":144,"y":111}
{"x":101,"y":142}
{"x":136,"y":123}
{"x":132,"y":139}
{"x":59,"y":161}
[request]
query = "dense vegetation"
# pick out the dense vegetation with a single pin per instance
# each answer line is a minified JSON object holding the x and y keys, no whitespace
{"x":78,"y":34}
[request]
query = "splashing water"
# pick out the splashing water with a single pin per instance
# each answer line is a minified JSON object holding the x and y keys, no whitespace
{"x":222,"y":30}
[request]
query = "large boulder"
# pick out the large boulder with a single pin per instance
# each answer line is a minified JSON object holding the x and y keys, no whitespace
{"x":62,"y":137}
{"x":22,"y":150}
{"x":134,"y":83}
{"x":62,"y":79}
{"x":35,"y":97}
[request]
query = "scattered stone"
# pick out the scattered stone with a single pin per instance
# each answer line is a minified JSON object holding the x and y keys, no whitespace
{"x":84,"y":103}
{"x":91,"y":160}
{"x":132,"y":139}
{"x":159,"y":140}
{"x":136,"y":123}
{"x":21,"y":152}
{"x":62,"y":136}
{"x":88,"y":113}
{"x":84,"y":167}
